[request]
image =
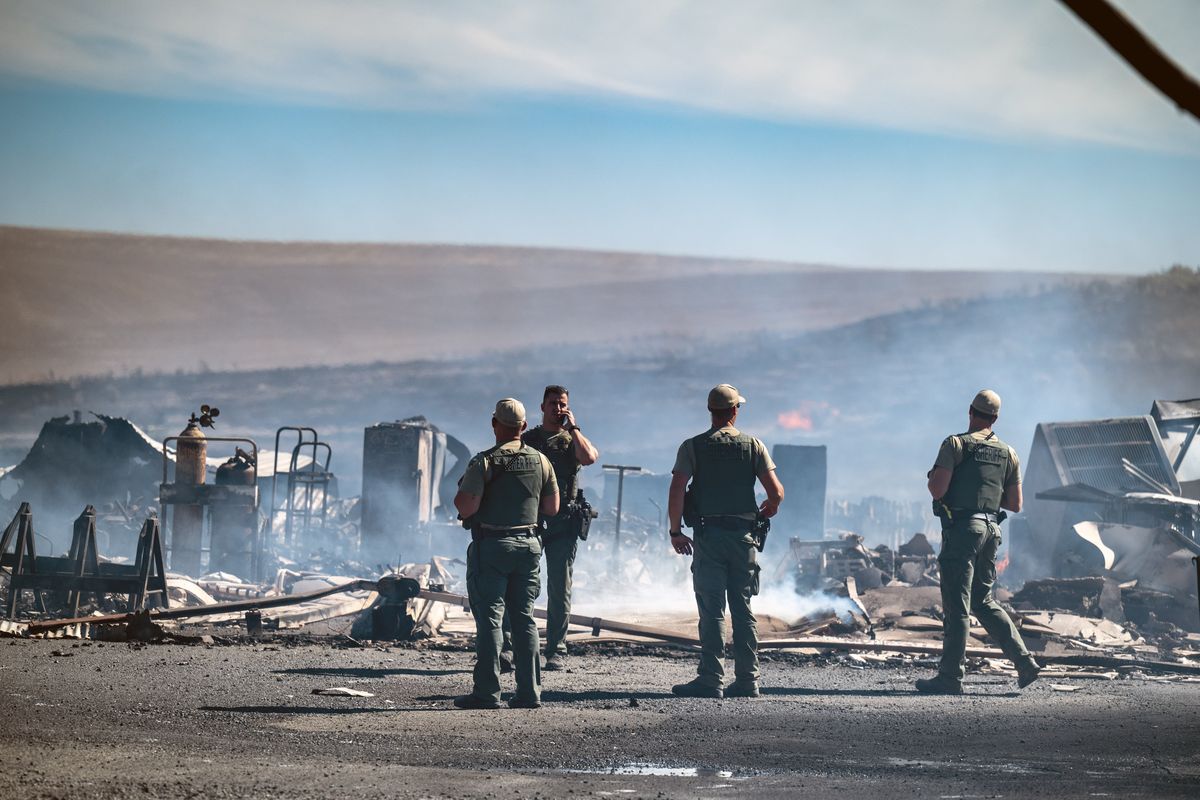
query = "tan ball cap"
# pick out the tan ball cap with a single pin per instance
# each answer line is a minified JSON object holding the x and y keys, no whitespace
{"x":986,"y":402}
{"x":724,"y":396}
{"x":509,"y":411}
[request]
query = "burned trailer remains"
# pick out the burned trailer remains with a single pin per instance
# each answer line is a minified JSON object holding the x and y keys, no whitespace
{"x":803,"y":471}
{"x":73,"y":463}
{"x":1179,"y":425}
{"x":1090,"y":471}
{"x":405,"y":486}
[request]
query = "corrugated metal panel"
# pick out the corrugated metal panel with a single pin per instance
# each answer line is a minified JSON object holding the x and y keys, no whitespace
{"x":1091,"y":452}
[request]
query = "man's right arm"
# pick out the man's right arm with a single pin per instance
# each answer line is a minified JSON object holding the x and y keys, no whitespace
{"x":943,"y":468}
{"x":467,"y":504}
{"x":470,"y":489}
{"x":939,"y":482}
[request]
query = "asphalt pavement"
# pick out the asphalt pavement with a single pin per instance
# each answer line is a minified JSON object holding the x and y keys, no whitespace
{"x":114,"y":720}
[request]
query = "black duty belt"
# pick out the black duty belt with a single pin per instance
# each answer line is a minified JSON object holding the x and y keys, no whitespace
{"x":485,"y":532}
{"x":727,"y":522}
{"x":987,"y":516}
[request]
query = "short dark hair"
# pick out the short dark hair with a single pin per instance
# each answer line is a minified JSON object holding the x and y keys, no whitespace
{"x":723,"y":414}
{"x":554,"y":388}
{"x":990,"y":419}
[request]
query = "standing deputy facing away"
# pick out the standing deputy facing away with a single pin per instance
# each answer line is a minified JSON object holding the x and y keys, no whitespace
{"x":499,"y":497}
{"x":723,"y":464}
{"x":563,"y":443}
{"x":975,"y":476}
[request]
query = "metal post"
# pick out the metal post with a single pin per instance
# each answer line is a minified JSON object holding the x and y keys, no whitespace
{"x":659,"y":507}
{"x":621,"y":470}
{"x":1196,"y":561}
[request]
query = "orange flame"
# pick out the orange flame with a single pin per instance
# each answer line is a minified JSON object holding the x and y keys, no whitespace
{"x":795,"y":421}
{"x":807,"y":416}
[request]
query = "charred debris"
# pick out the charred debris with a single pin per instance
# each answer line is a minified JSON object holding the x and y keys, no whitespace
{"x":205,"y":537}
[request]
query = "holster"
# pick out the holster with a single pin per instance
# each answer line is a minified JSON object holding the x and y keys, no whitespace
{"x":691,"y":515}
{"x":577,"y":514}
{"x":762,"y":526}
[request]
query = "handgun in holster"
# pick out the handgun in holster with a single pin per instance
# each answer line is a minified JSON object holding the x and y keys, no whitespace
{"x":943,"y":512}
{"x":758,"y":533}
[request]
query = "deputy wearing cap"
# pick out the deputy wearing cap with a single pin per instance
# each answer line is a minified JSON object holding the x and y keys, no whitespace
{"x":498,"y":500}
{"x":974,"y":477}
{"x":722,"y":464}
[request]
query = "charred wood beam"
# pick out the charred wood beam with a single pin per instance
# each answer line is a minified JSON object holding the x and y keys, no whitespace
{"x":40,"y":626}
{"x":1139,"y":52}
{"x":597,"y":624}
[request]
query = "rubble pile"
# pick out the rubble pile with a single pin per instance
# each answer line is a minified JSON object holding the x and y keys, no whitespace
{"x":1129,"y":604}
{"x":825,"y":564}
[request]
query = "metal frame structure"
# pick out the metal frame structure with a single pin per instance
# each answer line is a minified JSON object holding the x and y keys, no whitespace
{"x":81,"y":572}
{"x":317,"y":476}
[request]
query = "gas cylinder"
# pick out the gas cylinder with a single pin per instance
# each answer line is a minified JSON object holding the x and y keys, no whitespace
{"x":234,"y":527}
{"x":187,"y":526}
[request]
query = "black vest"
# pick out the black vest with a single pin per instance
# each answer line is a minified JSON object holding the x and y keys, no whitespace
{"x":559,"y":450}
{"x":513,"y":490}
{"x":723,"y":482}
{"x":978,"y":482}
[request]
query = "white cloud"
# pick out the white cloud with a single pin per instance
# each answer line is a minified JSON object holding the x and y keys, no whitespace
{"x":1022,"y":68}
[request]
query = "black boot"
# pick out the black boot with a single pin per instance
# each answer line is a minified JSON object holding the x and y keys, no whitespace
{"x":939,"y":685}
{"x":1028,"y":672}
{"x":694,"y":688}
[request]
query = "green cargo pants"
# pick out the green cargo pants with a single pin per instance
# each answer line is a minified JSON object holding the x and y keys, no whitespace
{"x":968,"y":565}
{"x":725,"y":565}
{"x":560,"y":546}
{"x":505,"y":573}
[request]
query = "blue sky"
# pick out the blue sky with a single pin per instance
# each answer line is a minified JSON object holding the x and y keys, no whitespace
{"x":953,"y":134}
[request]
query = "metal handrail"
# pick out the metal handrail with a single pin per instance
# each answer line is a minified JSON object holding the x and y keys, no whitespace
{"x":309,"y":481}
{"x":300,"y":431}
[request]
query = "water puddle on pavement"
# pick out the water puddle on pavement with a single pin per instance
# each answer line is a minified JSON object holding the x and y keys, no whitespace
{"x":1012,"y":769}
{"x":638,"y":768}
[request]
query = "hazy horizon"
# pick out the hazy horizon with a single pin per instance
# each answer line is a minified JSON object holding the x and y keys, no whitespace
{"x":82,"y":303}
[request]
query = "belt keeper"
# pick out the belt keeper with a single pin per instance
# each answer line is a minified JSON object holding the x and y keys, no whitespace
{"x":596,"y":626}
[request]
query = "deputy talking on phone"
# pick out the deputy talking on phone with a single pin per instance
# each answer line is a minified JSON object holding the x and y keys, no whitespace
{"x":561,"y":440}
